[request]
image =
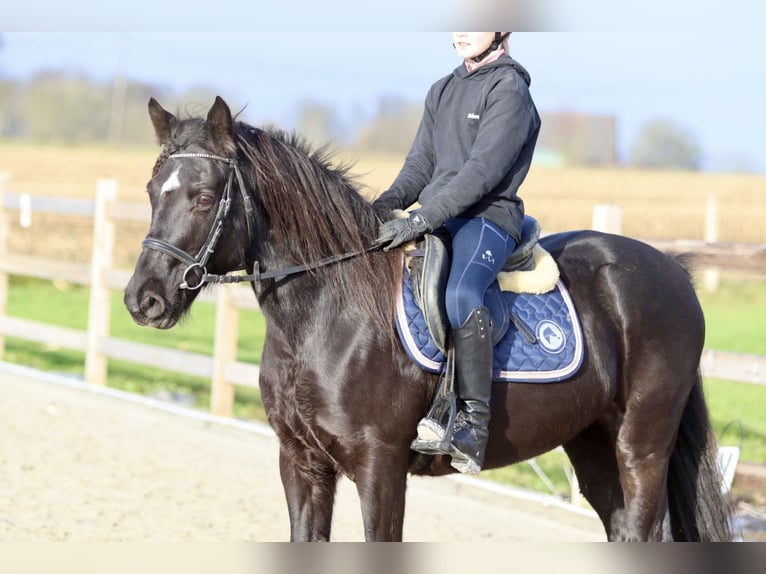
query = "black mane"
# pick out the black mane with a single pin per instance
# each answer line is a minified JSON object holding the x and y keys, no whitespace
{"x":315,"y":211}
{"x":313,"y":205}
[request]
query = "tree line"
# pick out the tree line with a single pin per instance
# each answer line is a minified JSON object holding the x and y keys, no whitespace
{"x":61,"y":107}
{"x":56,"y":107}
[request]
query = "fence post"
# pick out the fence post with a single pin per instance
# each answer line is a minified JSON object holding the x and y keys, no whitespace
{"x":712,"y":276}
{"x":99,"y":307}
{"x":607,"y":218}
{"x":4,"y":178}
{"x":225,"y":351}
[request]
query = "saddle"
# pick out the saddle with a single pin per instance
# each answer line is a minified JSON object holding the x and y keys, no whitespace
{"x":428,"y":268}
{"x":429,"y":265}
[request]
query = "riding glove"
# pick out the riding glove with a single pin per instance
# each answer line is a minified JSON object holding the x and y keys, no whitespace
{"x":398,"y":231}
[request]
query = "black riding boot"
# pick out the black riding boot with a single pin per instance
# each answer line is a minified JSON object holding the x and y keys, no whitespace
{"x":473,"y":371}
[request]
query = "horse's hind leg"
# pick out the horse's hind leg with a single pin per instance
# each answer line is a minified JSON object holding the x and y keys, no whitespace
{"x":594,"y":458}
{"x":592,"y":455}
{"x":309,"y":483}
{"x":643,"y":473}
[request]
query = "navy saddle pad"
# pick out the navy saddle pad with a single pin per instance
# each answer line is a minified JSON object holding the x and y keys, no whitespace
{"x":555,"y":354}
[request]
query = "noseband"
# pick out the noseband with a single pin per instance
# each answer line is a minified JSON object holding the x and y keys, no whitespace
{"x":197,"y":264}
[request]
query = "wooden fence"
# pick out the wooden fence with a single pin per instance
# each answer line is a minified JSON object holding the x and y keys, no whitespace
{"x":224,"y":371}
{"x":222,"y":368}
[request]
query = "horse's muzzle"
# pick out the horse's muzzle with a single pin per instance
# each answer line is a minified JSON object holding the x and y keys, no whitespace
{"x":148,"y":307}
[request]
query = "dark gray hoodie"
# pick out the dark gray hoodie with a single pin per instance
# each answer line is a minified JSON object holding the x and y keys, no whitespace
{"x":473,"y":148}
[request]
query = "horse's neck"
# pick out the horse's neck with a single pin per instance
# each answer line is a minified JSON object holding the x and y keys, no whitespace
{"x":293,"y":303}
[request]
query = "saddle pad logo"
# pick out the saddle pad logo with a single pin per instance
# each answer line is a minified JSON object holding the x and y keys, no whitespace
{"x":551,"y":337}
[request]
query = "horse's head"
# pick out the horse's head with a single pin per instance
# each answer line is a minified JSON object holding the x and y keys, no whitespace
{"x":192,"y":231}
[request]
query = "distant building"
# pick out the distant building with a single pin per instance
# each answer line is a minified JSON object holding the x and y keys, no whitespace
{"x":568,"y":138}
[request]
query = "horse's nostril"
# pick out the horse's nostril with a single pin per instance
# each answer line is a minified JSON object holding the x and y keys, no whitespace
{"x":152,"y":305}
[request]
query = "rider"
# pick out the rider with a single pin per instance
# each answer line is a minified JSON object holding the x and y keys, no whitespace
{"x":471,"y":153}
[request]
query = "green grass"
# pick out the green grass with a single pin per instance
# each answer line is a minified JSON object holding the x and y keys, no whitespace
{"x":66,"y":305}
{"x":735,"y":316}
{"x":732,"y":405}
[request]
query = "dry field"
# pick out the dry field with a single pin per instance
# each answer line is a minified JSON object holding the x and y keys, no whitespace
{"x":662,"y":205}
{"x":658,"y":205}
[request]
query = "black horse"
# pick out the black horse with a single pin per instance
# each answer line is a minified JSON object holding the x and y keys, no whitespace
{"x":339,"y":390}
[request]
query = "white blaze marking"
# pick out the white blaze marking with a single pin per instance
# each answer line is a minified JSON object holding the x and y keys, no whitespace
{"x":171,"y":184}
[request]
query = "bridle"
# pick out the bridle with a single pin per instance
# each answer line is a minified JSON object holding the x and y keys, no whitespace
{"x":198,"y":263}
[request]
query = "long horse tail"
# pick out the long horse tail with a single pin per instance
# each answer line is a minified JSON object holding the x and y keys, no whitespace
{"x":700,"y":510}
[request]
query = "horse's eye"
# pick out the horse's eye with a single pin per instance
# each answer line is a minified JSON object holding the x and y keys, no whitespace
{"x":204,"y":200}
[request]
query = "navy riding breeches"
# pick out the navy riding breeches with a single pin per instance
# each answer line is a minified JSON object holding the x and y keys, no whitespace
{"x":479,"y":251}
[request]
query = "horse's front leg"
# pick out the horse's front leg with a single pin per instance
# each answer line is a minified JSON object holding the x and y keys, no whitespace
{"x":309,"y":481}
{"x":381,"y":484}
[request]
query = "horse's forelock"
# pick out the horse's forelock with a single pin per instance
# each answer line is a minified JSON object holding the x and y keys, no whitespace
{"x":187,"y":132}
{"x":192,"y":131}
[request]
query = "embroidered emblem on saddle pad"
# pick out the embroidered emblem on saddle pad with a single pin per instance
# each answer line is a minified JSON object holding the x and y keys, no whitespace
{"x":543,"y":344}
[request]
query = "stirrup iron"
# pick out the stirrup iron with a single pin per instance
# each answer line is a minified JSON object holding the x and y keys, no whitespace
{"x":435,"y":429}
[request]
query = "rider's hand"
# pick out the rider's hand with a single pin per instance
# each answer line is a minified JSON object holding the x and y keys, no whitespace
{"x":398,"y":231}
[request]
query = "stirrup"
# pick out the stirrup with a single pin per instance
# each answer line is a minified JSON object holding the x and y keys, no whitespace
{"x":431,"y":448}
{"x":431,"y":430}
{"x":430,"y":439}
{"x":436,"y":428}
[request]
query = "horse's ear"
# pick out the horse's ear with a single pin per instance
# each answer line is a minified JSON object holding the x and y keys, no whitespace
{"x":220,"y":126}
{"x":162,"y":120}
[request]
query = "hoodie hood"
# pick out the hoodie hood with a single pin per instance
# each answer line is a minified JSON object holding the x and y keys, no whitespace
{"x":505,"y":60}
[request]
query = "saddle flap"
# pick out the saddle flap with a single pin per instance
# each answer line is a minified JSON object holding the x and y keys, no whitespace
{"x":429,"y":275}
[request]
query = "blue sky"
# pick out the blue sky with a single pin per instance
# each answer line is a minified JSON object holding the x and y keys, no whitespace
{"x":708,"y":81}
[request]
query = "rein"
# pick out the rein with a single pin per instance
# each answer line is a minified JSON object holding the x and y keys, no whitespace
{"x":256,"y":276}
{"x":197,"y":264}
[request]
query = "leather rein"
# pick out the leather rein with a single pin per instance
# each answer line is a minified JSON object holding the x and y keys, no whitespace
{"x":197,"y":265}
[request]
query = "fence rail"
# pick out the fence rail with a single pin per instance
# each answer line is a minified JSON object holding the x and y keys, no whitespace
{"x":222,"y":368}
{"x":728,"y":256}
{"x":738,"y":367}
